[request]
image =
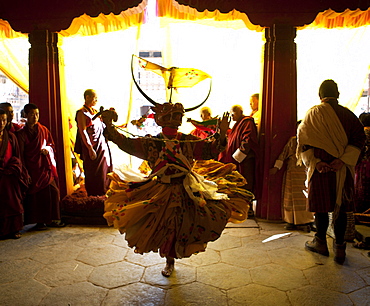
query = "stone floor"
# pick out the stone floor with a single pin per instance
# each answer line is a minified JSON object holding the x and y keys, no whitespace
{"x":92,"y":265}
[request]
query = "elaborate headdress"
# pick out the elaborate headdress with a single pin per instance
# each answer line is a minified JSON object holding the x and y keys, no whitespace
{"x":169,"y":114}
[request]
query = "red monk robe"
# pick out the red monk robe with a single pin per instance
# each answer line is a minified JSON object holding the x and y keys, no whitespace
{"x":243,"y":136}
{"x":13,"y":127}
{"x":204,"y":129}
{"x":13,"y":182}
{"x":96,"y":179}
{"x":42,"y":201}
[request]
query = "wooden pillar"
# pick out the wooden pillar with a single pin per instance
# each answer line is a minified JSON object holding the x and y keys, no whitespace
{"x":279,"y":113}
{"x":44,"y":91}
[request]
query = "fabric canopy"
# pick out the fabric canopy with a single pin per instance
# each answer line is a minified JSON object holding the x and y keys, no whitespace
{"x":341,"y":54}
{"x":14,"y":55}
{"x":86,"y":25}
{"x":330,"y":19}
{"x":14,"y":46}
{"x":170,"y":8}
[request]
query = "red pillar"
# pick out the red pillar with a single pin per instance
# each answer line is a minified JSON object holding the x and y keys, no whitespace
{"x":44,"y":91}
{"x":279,"y":113}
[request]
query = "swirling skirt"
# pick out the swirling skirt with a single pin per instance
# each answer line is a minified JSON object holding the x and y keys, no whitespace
{"x":163,"y":218}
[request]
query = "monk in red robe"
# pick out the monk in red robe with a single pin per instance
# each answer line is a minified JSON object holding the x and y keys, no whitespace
{"x":205,"y":128}
{"x":242,"y":146}
{"x":13,"y":181}
{"x":10,"y":126}
{"x":93,"y":147}
{"x":37,"y":148}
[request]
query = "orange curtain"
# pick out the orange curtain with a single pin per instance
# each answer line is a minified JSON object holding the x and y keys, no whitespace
{"x":86,"y":25}
{"x":14,"y":55}
{"x":226,"y":46}
{"x":334,"y":46}
{"x":348,"y":19}
{"x":6,"y":31}
{"x":95,"y":52}
{"x":170,"y":8}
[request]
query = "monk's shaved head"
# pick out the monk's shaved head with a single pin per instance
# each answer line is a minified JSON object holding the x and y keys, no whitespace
{"x":237,"y":108}
{"x":236,"y":112}
{"x":205,"y":113}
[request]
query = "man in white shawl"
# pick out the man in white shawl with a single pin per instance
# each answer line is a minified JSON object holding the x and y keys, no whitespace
{"x":330,"y":140}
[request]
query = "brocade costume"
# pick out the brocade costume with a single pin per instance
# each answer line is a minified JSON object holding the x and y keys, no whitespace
{"x":173,"y":211}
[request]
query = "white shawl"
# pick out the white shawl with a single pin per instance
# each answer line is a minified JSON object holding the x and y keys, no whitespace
{"x":322,"y":129}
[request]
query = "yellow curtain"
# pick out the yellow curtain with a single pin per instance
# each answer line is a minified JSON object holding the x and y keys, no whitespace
{"x":226,"y":46}
{"x":170,"y":8}
{"x":341,"y":54}
{"x":330,"y":19}
{"x":14,"y":48}
{"x":224,"y":55}
{"x":86,"y":25}
{"x":232,"y":57}
{"x":95,"y":53}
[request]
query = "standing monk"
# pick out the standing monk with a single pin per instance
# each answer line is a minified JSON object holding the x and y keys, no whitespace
{"x":93,"y":147}
{"x":10,"y":126}
{"x":254,"y":103}
{"x":13,"y":181}
{"x":330,"y":139}
{"x":205,"y":128}
{"x":37,"y":149}
{"x":242,"y":146}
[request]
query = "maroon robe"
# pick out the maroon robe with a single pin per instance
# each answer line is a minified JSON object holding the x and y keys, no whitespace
{"x":13,"y":127}
{"x":243,"y":136}
{"x":322,"y":186}
{"x":199,"y":133}
{"x":13,"y":182}
{"x":96,"y":180}
{"x":42,"y":201}
{"x":362,"y":177}
{"x":202,"y":131}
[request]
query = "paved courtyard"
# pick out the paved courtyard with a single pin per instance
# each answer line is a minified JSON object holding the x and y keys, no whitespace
{"x":92,"y":265}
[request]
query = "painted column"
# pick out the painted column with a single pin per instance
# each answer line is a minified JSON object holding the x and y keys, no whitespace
{"x":44,"y":91}
{"x":279,"y":114}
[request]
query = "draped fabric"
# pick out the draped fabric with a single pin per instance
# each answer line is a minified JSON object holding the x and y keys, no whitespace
{"x":338,"y":54}
{"x":95,"y":52}
{"x":330,"y":19}
{"x":41,"y":168}
{"x":346,"y":60}
{"x":100,"y":62}
{"x":12,"y":185}
{"x":170,"y":8}
{"x":6,"y":31}
{"x":232,"y":57}
{"x":14,"y":55}
{"x":86,"y":25}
